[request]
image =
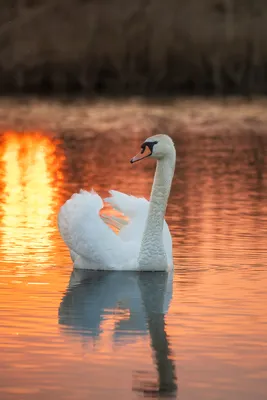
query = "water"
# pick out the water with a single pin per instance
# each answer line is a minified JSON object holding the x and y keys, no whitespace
{"x":80,"y":335}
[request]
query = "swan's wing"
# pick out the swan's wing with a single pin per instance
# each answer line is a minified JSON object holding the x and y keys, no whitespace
{"x":130,"y":206}
{"x":116,"y":222}
{"x":136,"y":209}
{"x":87,"y":235}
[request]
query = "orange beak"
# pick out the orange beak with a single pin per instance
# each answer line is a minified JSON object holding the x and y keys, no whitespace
{"x":143,"y":154}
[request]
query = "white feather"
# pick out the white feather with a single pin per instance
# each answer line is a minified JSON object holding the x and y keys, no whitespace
{"x":116,"y":222}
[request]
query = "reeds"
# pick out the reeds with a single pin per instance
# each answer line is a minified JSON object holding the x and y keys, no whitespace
{"x":134,"y":47}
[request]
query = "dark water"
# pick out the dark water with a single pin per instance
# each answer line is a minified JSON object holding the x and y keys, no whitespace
{"x":199,"y":334}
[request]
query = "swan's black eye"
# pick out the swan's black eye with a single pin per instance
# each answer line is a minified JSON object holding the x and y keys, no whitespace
{"x":150,"y":145}
{"x":143,"y":147}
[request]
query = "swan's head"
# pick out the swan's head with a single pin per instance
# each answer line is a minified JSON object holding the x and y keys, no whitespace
{"x":157,"y":146}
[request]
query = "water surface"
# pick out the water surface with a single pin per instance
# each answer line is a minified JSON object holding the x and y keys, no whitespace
{"x":200,"y":333}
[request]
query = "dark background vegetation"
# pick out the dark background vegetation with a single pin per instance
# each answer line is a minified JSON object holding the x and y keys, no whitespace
{"x":133,"y":47}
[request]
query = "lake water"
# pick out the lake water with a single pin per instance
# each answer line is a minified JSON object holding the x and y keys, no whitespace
{"x":198,"y":334}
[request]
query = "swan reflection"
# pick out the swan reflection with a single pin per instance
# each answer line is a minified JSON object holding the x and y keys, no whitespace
{"x":126,"y":304}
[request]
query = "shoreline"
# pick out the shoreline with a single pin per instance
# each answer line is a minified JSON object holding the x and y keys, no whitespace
{"x":135,"y":115}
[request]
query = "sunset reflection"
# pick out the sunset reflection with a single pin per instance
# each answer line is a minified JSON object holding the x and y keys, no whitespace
{"x":29,"y":161}
{"x":85,"y":334}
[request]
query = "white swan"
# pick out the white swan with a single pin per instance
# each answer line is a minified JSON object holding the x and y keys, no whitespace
{"x":144,"y":242}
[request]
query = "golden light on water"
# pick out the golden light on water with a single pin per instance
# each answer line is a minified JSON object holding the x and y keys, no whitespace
{"x":28,"y":161}
{"x":53,"y":330}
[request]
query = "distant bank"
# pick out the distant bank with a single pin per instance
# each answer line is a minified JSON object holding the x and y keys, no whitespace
{"x":115,"y":47}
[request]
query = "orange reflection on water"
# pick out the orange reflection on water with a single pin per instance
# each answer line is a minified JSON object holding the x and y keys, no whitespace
{"x":29,"y":161}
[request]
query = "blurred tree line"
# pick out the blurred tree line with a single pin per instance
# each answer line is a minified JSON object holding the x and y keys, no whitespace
{"x":134,"y":47}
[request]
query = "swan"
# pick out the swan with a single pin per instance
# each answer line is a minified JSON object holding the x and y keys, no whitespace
{"x":143,"y":242}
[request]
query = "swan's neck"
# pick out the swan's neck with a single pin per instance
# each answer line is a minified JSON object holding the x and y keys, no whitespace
{"x":152,"y":253}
